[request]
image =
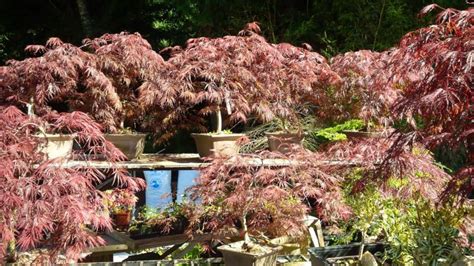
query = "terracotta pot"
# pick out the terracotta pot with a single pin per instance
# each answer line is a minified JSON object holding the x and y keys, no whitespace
{"x":57,"y":145}
{"x":217,"y":144}
{"x":131,"y":145}
{"x":235,"y":256}
{"x":283,"y":141}
{"x":122,"y":220}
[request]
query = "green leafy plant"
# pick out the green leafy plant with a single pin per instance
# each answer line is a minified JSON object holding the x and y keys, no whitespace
{"x":334,"y":133}
{"x":418,"y":233}
{"x":171,"y":218}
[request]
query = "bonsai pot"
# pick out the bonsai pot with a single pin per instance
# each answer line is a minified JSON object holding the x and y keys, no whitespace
{"x":324,"y":256}
{"x":131,"y":145}
{"x":122,"y":220}
{"x":283,"y":141}
{"x":217,"y":144}
{"x":235,"y":256}
{"x":352,"y":134}
{"x":57,"y":145}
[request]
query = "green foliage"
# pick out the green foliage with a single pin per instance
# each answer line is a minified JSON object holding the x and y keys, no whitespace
{"x":194,"y":253}
{"x":333,"y":133}
{"x":329,"y":26}
{"x":149,"y":220}
{"x":418,"y":233}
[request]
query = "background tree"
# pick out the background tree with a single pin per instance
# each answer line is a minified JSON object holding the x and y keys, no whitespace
{"x":329,"y":26}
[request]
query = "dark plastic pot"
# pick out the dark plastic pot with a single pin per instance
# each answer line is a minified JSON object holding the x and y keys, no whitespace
{"x":178,"y":227}
{"x":320,"y":256}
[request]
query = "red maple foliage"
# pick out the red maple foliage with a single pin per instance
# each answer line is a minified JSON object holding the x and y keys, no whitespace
{"x":362,"y":94}
{"x":45,"y":203}
{"x":101,"y":78}
{"x":439,"y":103}
{"x":264,"y":193}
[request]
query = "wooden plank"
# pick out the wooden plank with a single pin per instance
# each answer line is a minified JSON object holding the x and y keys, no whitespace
{"x":171,"y":240}
{"x":188,"y":162}
{"x":319,"y":232}
{"x":183,"y":252}
{"x":170,"y":250}
{"x":109,"y":248}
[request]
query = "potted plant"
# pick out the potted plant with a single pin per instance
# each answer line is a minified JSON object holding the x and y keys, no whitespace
{"x":120,"y":203}
{"x":263,"y":201}
{"x":63,"y":77}
{"x":133,"y":68}
{"x":62,"y":198}
{"x":236,"y":78}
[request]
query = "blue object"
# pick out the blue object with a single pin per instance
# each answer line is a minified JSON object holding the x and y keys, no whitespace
{"x":158,"y":190}
{"x":186,"y":179}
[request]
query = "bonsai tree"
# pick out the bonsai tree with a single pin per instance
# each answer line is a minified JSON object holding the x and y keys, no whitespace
{"x":242,"y":76}
{"x":46,"y":203}
{"x":264,"y":200}
{"x":133,"y":67}
{"x":101,"y":78}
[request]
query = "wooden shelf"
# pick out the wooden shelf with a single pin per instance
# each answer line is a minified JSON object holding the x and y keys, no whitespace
{"x":184,"y":161}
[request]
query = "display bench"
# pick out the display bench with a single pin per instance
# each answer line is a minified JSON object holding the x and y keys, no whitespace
{"x":173,"y":165}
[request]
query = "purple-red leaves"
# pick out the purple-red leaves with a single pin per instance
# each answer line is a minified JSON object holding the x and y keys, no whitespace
{"x":272,"y":198}
{"x":44,"y":203}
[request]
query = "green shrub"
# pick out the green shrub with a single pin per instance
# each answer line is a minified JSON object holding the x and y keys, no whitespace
{"x":418,"y":232}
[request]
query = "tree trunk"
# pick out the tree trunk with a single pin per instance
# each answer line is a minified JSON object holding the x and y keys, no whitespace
{"x":246,"y":232}
{"x":219,"y":121}
{"x":85,"y":18}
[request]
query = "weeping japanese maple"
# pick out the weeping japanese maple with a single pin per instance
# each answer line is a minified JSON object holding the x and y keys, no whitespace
{"x":438,"y":104}
{"x":241,"y":76}
{"x":100,"y":78}
{"x":46,"y":203}
{"x":265,"y":194}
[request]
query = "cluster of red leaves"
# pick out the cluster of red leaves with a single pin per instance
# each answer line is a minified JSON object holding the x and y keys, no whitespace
{"x":273,"y":199}
{"x":45,"y":204}
{"x":103,"y":82}
{"x":442,"y":96}
{"x":244,"y":75}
